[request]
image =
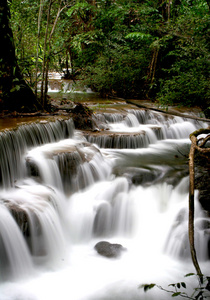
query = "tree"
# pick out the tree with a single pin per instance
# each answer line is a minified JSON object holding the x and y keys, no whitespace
{"x":47,"y":53}
{"x":39,"y":38}
{"x":183,"y":73}
{"x":158,"y":50}
{"x":16,"y":95}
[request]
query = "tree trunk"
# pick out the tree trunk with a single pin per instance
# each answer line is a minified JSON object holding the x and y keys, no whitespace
{"x":163,"y":9}
{"x":44,"y":56}
{"x":48,"y":51}
{"x":37,"y":46}
{"x":16,"y":95}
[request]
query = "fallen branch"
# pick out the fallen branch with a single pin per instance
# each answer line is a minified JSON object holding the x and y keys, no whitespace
{"x":167,"y":112}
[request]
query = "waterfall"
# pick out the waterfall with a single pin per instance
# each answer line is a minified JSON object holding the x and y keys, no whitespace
{"x":15,"y":258}
{"x":13,"y":145}
{"x":177,"y":243}
{"x":68,"y":165}
{"x":62,"y":191}
{"x":139,"y":129}
{"x":38,"y":212}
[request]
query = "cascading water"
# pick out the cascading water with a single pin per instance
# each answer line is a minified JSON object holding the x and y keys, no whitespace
{"x":63,"y":191}
{"x":14,"y":144}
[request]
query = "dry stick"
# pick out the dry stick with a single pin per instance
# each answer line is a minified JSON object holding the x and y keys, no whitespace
{"x":194,"y":147}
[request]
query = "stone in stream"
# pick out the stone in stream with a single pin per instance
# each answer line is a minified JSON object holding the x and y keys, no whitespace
{"x":109,"y":250}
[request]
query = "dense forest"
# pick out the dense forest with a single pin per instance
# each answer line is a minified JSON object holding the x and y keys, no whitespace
{"x":156,"y":50}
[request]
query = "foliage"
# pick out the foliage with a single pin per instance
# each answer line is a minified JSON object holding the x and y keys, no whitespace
{"x":179,"y":289}
{"x":23,"y":21}
{"x":157,"y":50}
{"x":117,"y":65}
{"x":14,"y":91}
{"x":184,"y":78}
{"x":121,"y":75}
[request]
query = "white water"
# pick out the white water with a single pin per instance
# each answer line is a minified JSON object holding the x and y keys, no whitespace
{"x":55,"y":258}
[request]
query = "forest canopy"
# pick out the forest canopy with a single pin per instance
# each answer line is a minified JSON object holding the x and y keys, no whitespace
{"x":157,"y":50}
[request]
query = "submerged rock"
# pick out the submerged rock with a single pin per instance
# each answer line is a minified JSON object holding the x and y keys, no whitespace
{"x":109,"y":250}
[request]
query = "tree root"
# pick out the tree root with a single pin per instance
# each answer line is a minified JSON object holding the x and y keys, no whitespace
{"x":197,"y":145}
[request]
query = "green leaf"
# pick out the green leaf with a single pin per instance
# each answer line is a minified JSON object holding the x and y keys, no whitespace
{"x":15,"y":89}
{"x":147,"y":287}
{"x":78,"y":7}
{"x":176,"y":294}
{"x":137,"y":36}
{"x":189,"y":274}
{"x":172,"y":284}
{"x":183,"y":284}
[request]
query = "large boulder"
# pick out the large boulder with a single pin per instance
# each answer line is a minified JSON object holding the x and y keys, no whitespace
{"x":109,"y":250}
{"x":82,"y":117}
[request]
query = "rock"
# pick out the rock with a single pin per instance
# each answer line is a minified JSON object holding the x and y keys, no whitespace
{"x":109,"y":250}
{"x":69,"y":159}
{"x":202,"y":180}
{"x":82,"y":117}
{"x":138,"y":176}
{"x":144,"y":176}
{"x":20,"y":217}
{"x":32,"y":168}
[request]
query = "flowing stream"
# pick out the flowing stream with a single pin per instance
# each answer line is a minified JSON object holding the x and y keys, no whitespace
{"x":62,"y":191}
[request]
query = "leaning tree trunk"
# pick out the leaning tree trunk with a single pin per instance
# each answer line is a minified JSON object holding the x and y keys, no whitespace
{"x":16,"y":95}
{"x":37,"y":46}
{"x":44,"y":56}
{"x":48,"y":50}
{"x":198,"y":145}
